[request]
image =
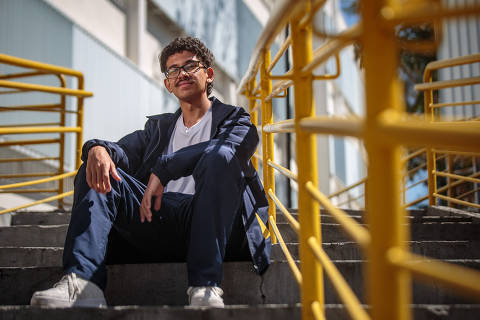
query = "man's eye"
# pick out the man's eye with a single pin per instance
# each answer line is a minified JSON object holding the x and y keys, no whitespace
{"x":191,"y":66}
{"x":173,"y":70}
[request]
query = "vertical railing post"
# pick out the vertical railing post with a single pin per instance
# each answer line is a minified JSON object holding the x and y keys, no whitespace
{"x":78,"y":160}
{"x":388,"y":287}
{"x":476,"y":194}
{"x":267,"y":138}
{"x":252,"y":102}
{"x":450,"y":192}
{"x":431,"y":162}
{"x":61,"y":151}
{"x":306,"y":150}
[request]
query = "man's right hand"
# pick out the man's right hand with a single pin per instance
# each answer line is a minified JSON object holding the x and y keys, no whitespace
{"x":99,"y":168}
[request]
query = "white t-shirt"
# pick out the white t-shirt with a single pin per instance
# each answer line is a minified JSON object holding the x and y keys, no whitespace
{"x":183,"y":137}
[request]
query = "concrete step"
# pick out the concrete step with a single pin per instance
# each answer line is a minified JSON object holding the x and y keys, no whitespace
{"x":52,"y":256}
{"x":166,"y":284}
{"x":351,"y":251}
{"x":443,"y":231}
{"x":54,"y":235}
{"x":237,"y":312}
{"x":159,"y":284}
{"x":60,"y":217}
{"x":326,"y":218}
{"x":40,"y":218}
{"x":33,"y":236}
{"x":31,"y":256}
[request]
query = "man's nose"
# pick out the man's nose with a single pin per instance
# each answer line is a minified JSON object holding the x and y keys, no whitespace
{"x":183,"y":73}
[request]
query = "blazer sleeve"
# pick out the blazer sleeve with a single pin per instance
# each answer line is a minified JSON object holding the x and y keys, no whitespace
{"x":236,"y":132}
{"x":128,"y":152}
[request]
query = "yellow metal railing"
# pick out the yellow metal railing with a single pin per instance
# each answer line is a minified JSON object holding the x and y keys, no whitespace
{"x":33,"y":70}
{"x":385,"y":130}
{"x":432,"y":106}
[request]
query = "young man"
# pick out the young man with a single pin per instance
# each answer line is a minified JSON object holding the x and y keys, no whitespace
{"x":181,"y":189}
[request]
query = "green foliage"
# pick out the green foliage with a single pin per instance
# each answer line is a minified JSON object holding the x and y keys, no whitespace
{"x":412,"y":64}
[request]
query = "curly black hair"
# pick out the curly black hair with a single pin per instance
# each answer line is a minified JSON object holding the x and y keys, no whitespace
{"x":193,"y":45}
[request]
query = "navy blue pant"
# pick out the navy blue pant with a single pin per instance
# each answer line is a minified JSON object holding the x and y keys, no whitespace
{"x":202,"y":229}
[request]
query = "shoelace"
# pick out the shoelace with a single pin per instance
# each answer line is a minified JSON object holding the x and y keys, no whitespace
{"x":68,"y":281}
{"x":192,"y":290}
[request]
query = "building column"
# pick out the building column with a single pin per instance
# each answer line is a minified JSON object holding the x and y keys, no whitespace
{"x":136,"y":28}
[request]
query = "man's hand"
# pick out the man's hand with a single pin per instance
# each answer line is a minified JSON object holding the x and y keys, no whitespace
{"x":154,"y":188}
{"x":99,"y":168}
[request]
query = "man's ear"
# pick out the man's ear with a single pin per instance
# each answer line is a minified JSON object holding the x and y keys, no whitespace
{"x":167,"y":85}
{"x":210,"y":75}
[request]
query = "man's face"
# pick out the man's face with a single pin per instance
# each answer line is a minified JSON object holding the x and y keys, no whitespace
{"x":190,"y":82}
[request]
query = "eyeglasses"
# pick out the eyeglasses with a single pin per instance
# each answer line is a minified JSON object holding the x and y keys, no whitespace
{"x":189,"y":67}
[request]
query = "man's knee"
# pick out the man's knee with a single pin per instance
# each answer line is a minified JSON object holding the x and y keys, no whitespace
{"x":219,"y":158}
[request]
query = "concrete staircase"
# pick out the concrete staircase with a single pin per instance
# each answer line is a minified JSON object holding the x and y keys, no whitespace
{"x":31,"y":253}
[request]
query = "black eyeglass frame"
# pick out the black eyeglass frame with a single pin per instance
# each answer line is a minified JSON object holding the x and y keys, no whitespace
{"x":177,"y":69}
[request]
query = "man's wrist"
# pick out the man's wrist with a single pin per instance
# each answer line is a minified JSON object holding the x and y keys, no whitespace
{"x":162,"y":177}
{"x":96,"y":147}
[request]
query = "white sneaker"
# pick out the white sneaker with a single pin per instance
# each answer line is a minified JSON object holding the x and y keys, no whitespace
{"x":205,"y":297}
{"x":70,"y":291}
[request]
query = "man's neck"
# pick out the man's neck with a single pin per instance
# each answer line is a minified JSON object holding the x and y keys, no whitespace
{"x":194,"y":111}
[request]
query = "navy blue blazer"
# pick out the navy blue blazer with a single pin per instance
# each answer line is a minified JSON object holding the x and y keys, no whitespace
{"x":143,"y":152}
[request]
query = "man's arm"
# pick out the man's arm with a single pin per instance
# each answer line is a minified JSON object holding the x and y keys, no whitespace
{"x":236,"y":132}
{"x":103,"y":157}
{"x":99,"y":168}
{"x":128,"y":152}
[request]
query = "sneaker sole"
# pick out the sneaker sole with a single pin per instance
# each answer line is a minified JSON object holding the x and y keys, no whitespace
{"x":84,"y":303}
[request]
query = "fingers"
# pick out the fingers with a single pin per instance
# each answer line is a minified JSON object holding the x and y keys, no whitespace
{"x":114,"y":172}
{"x":99,"y":167}
{"x":98,"y":180}
{"x":145,"y":212}
{"x":105,"y":184}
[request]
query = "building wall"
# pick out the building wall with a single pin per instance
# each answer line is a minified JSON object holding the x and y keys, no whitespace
{"x":91,"y":36}
{"x":341,"y":161}
{"x":123,"y":94}
{"x":98,"y":17}
{"x":460,"y":37}
{"x":33,"y":30}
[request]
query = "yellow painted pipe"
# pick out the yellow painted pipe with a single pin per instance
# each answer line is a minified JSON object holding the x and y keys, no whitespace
{"x":30,"y":183}
{"x":349,"y":299}
{"x":43,"y":88}
{"x":349,"y":225}
{"x":288,"y":255}
{"x":388,"y":289}
{"x":30,"y":130}
{"x":306,"y":152}
{"x":267,"y":138}
{"x":462,"y":279}
{"x":53,"y":198}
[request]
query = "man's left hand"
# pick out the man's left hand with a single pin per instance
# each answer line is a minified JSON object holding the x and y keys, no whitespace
{"x":154,"y":188}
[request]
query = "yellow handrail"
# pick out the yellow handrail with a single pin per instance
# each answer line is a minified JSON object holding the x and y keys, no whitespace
{"x":458,"y":277}
{"x":49,"y":199}
{"x":385,"y":129}
{"x":294,"y":223}
{"x":347,"y":188}
{"x":30,"y":183}
{"x":42,"y":88}
{"x":288,"y":256}
{"x":283,"y":170}
{"x":353,"y":306}
{"x":39,"y":69}
{"x":351,"y":227}
{"x":30,"y":130}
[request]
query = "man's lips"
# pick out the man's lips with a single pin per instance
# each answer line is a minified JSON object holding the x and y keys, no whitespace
{"x":184,"y":83}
